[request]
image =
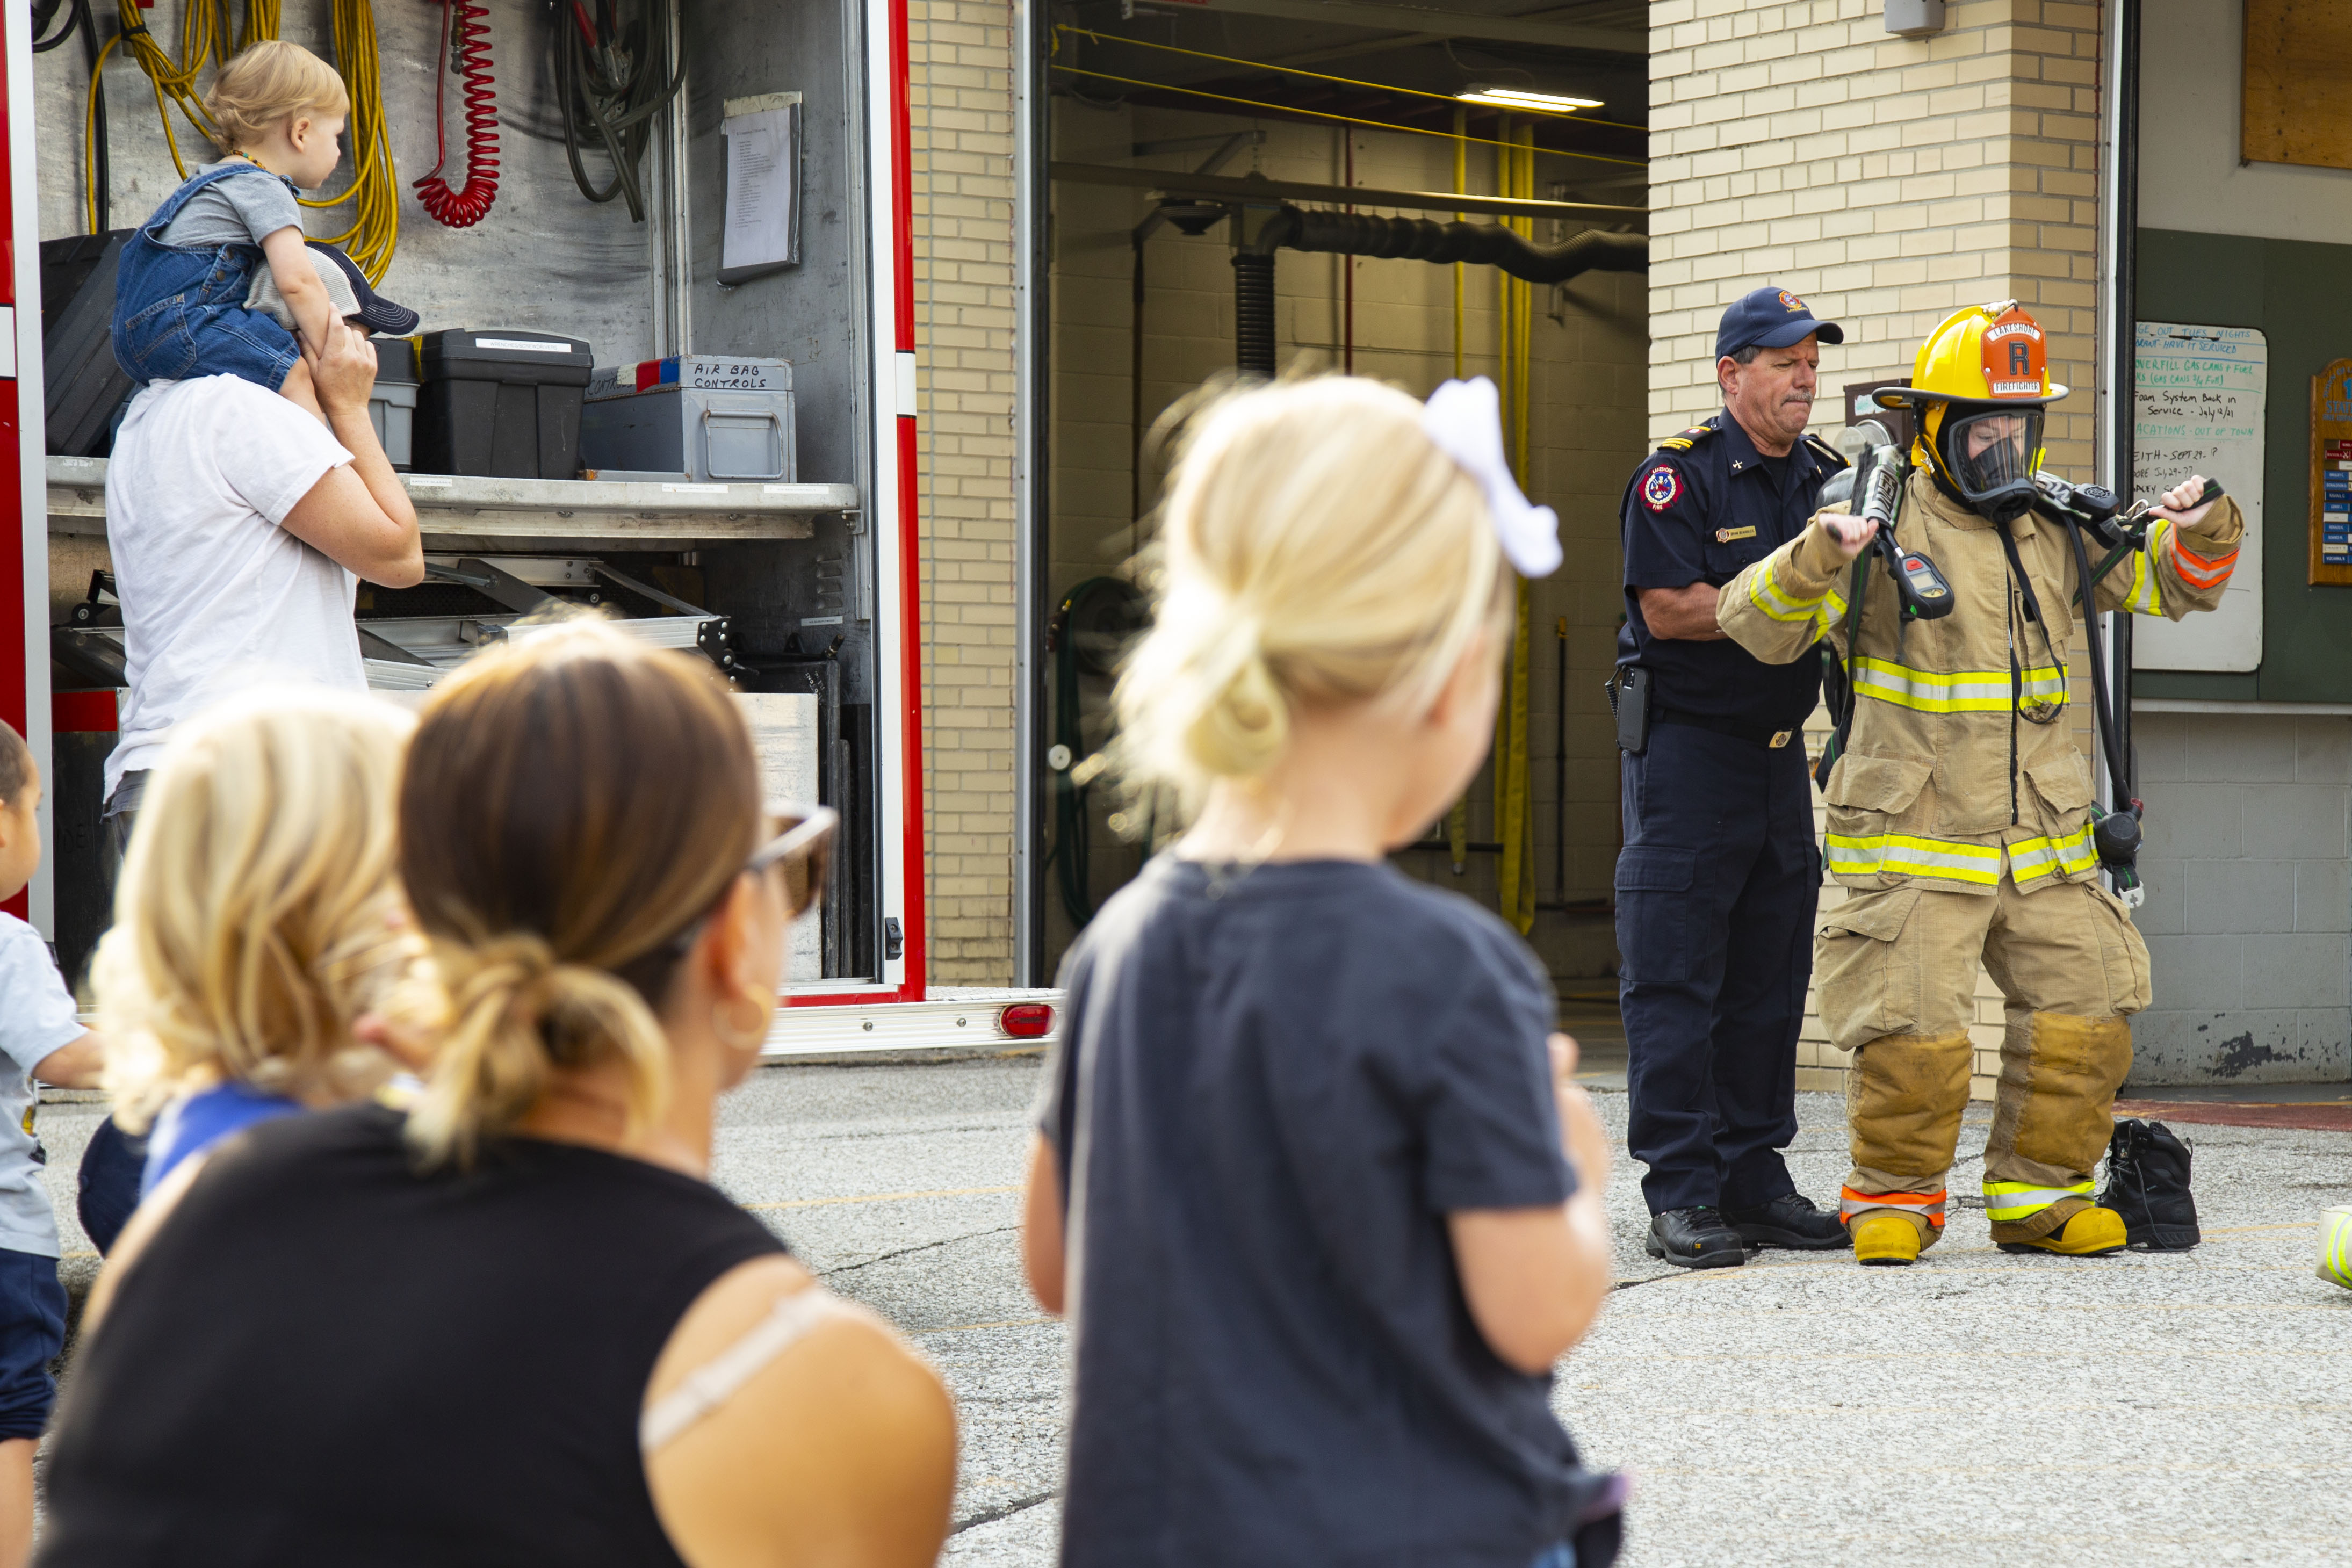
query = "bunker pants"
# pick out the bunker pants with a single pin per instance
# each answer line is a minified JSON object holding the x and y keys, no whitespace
{"x":1897,"y":971}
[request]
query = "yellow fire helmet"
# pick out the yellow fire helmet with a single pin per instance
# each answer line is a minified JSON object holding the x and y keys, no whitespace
{"x":1977,"y":390}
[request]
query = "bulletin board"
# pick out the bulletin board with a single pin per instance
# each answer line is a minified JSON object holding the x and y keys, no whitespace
{"x":2331,"y":474}
{"x":2199,"y":405}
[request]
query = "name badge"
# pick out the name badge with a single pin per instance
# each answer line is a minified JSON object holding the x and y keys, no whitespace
{"x":1725,"y":536}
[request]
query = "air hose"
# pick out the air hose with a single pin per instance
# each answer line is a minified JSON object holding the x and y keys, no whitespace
{"x":465,"y":36}
{"x":613,"y":79}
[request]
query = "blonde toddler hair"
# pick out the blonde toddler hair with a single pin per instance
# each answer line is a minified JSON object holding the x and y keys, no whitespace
{"x":257,"y":914}
{"x":1319,"y":547}
{"x":269,"y":83}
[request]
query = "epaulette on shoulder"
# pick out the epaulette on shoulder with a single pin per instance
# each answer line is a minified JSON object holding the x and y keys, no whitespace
{"x":1683,"y":440}
{"x":1823,"y":449}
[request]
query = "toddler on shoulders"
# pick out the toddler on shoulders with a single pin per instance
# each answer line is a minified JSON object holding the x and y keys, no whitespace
{"x":219,"y":280}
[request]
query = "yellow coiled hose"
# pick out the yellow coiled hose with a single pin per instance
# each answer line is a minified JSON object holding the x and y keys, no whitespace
{"x":204,"y":41}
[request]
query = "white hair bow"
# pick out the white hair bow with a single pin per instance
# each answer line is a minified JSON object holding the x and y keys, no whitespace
{"x":1465,"y":420}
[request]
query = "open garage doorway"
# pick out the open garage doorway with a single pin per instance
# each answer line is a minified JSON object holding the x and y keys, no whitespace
{"x":1171,"y":136}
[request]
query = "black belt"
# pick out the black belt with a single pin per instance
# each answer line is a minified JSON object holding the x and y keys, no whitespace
{"x":1754,"y":733}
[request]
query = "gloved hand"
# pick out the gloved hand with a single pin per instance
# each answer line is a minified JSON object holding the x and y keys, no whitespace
{"x":1833,"y":541}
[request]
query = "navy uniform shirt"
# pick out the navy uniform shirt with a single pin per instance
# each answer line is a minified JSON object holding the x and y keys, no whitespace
{"x":1702,"y":508}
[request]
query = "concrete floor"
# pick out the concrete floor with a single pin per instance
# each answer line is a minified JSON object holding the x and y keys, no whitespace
{"x":1979,"y":1408}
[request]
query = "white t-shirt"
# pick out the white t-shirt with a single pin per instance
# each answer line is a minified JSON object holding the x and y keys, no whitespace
{"x":214,"y":591}
{"x":37,"y":1017}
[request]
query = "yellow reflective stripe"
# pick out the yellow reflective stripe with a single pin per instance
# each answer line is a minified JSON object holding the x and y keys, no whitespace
{"x":1832,"y":611}
{"x":2147,"y":595}
{"x":1903,"y":855}
{"x":2005,"y":1201}
{"x":2335,"y":1247}
{"x":2031,"y":858}
{"x":1766,"y":594}
{"x":1964,"y":691}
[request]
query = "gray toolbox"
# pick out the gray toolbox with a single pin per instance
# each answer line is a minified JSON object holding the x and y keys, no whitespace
{"x":702,"y":418}
{"x":392,"y":406}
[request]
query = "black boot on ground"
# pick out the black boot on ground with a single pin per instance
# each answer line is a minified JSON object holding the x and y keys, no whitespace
{"x":2147,"y":1184}
{"x":1695,"y":1238}
{"x":1789,"y":1220}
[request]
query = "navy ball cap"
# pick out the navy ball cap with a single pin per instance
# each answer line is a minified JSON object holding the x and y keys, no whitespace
{"x":1771,"y":319}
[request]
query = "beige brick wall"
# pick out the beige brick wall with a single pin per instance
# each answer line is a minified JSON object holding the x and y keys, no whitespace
{"x":961,"y":54}
{"x":1889,"y":182}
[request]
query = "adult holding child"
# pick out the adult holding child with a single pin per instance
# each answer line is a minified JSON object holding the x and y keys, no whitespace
{"x":239,"y":521}
{"x":1313,"y":1177}
{"x":516,"y":1325}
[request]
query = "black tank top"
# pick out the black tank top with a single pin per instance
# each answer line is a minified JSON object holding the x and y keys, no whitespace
{"x":326,"y":1357}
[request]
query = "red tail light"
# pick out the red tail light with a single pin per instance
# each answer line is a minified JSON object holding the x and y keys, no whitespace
{"x":1027,"y":1020}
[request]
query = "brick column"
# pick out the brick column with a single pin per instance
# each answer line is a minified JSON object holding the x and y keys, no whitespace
{"x":961,"y":56}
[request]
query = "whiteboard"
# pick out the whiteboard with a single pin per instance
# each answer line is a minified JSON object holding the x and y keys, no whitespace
{"x":2199,"y":406}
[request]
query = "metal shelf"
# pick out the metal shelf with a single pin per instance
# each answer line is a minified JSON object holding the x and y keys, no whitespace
{"x":463,"y":512}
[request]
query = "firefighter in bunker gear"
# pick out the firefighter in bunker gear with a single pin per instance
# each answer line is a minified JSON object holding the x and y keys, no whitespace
{"x":1960,"y":810}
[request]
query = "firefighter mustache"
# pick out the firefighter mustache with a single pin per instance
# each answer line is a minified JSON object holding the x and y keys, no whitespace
{"x":1961,"y":811}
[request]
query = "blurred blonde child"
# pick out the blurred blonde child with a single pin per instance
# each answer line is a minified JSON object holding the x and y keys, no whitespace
{"x":257,"y":919}
{"x":1313,"y":1179}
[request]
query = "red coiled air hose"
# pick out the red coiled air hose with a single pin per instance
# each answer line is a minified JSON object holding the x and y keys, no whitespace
{"x":465,"y":208}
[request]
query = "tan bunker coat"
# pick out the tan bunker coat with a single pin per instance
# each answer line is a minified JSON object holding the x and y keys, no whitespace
{"x":1959,"y":821}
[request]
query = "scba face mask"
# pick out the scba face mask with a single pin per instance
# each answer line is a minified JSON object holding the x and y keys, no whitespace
{"x":1990,"y":455}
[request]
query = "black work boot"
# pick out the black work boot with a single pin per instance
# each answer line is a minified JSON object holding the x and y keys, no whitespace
{"x":1695,"y":1238}
{"x":2147,"y":1184}
{"x":1789,"y":1220}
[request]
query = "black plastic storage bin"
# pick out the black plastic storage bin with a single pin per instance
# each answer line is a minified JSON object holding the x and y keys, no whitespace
{"x":501,"y":404}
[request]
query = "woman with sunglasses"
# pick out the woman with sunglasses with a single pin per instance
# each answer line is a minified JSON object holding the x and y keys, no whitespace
{"x":517,"y":1325}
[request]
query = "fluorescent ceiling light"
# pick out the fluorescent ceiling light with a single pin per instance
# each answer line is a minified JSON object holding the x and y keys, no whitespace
{"x":1518,"y":98}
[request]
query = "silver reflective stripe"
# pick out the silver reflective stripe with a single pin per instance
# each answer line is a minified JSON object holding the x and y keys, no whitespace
{"x":1962,"y":691}
{"x":2031,"y":858}
{"x":2012,"y":1200}
{"x":1904,"y":854}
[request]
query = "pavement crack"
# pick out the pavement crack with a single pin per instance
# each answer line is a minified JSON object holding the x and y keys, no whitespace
{"x":991,"y":1515}
{"x":909,"y":1251}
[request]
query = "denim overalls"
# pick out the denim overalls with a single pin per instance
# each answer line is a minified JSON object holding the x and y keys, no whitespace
{"x":179,"y":310}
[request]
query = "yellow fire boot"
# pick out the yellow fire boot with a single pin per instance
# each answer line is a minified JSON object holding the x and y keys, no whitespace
{"x":1884,"y":1239}
{"x":2091,"y":1233}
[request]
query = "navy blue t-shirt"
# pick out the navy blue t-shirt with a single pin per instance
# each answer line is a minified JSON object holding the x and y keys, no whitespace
{"x":1700,"y":509}
{"x":1275,"y":1085}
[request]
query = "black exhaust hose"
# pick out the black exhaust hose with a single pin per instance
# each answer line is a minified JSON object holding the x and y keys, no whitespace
{"x":1424,"y":239}
{"x":1406,"y":239}
{"x":1253,"y":313}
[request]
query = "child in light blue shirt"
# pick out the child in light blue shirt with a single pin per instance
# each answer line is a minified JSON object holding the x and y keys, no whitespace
{"x":40,"y":1037}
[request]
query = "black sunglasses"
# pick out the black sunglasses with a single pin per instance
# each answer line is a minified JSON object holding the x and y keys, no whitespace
{"x":803,"y":850}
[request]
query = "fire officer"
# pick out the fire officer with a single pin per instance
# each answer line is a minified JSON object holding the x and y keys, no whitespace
{"x":1962,"y":816}
{"x":1718,"y":878}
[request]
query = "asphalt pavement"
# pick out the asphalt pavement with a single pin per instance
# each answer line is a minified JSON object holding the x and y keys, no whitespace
{"x":1978,"y":1409}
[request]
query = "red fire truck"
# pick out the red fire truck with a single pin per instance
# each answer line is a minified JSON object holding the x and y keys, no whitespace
{"x":751,"y":299}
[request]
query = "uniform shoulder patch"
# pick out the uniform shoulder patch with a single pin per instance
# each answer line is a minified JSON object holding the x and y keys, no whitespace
{"x":1660,"y":487}
{"x":1823,"y":449}
{"x":1683,"y":440}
